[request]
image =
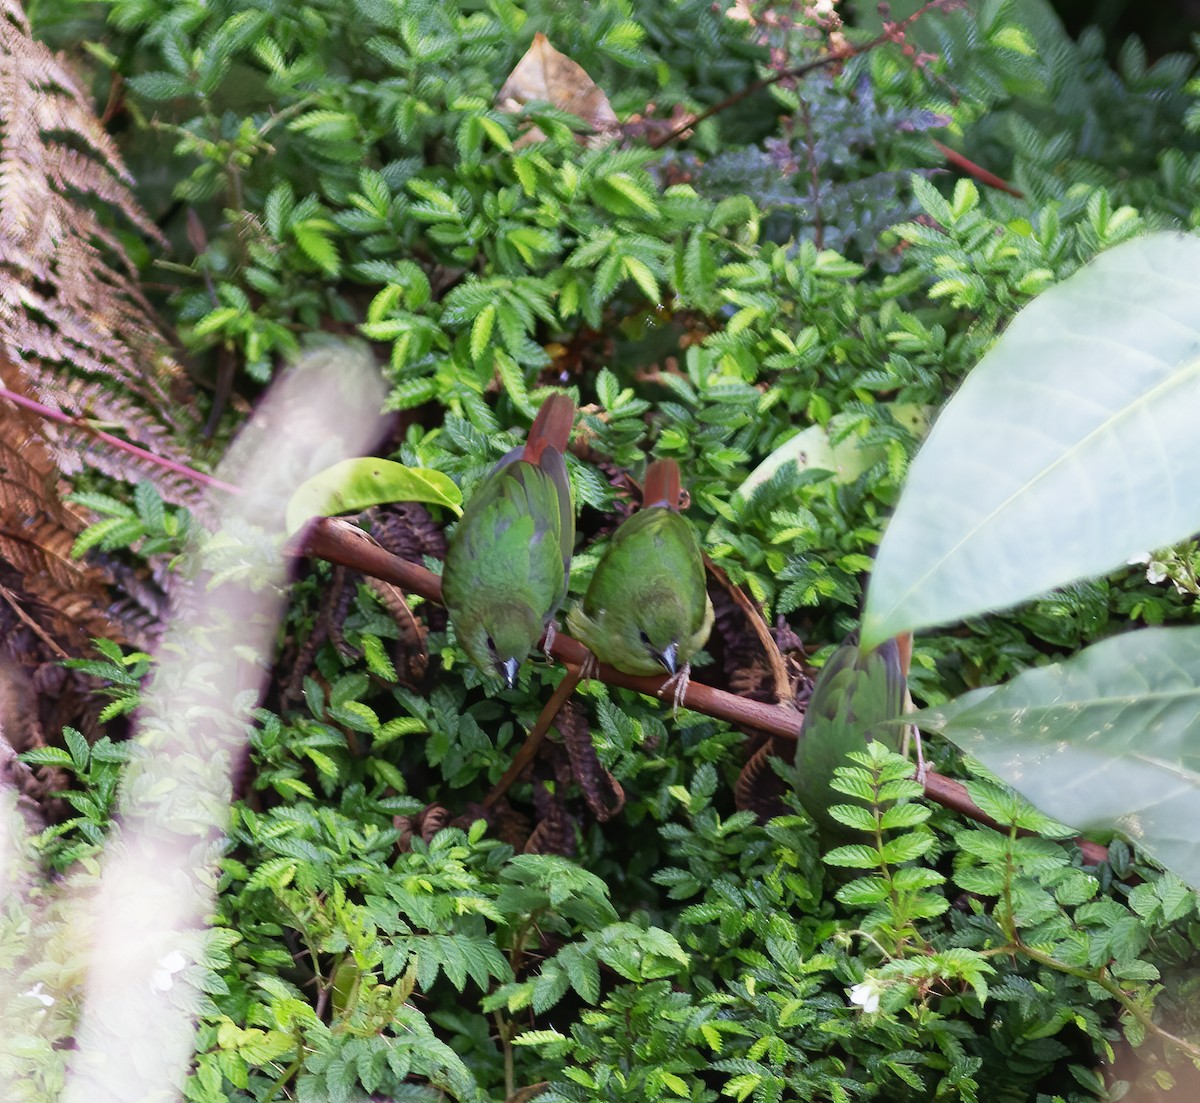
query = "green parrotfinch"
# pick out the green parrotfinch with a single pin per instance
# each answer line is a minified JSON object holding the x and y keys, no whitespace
{"x":647,"y":610}
{"x":508,"y":560}
{"x":854,"y":696}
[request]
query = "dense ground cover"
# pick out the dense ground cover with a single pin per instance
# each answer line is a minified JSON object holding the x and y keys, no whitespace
{"x":807,"y":259}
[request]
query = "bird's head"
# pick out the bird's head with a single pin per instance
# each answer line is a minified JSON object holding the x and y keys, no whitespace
{"x":501,"y":639}
{"x":657,"y":631}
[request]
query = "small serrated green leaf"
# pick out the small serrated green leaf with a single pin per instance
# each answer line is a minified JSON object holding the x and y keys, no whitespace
{"x":481,"y":331}
{"x":313,"y":237}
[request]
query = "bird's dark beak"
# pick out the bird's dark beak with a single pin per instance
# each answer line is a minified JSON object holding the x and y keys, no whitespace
{"x":508,"y":671}
{"x":668,"y":656}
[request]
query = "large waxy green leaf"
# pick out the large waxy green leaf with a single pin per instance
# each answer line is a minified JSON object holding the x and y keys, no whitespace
{"x":1072,"y":446}
{"x":1109,"y":739}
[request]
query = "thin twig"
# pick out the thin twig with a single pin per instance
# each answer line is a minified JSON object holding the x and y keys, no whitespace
{"x":1103,"y":978}
{"x":978,"y":171}
{"x":123,"y":445}
{"x":779,"y":674}
{"x":810,"y":148}
{"x":30,"y":623}
{"x":537,"y":733}
{"x":890,"y":32}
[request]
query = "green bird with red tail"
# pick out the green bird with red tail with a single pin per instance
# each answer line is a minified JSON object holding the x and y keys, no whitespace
{"x":647,"y":610}
{"x":508,"y":560}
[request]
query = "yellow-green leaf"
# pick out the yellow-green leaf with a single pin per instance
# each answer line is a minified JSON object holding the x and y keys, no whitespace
{"x":312,"y":235}
{"x":481,"y":331}
{"x":352,"y":485}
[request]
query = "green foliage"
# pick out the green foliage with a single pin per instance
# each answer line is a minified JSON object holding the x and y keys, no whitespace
{"x":1022,"y":458}
{"x":121,"y":677}
{"x":96,"y":771}
{"x":1097,"y":738}
{"x":806,"y":268}
{"x":148,"y":524}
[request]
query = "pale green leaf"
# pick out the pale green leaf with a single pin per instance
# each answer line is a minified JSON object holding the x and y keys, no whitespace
{"x":1108,"y":740}
{"x":1071,"y":447}
{"x":312,"y":235}
{"x":812,"y":450}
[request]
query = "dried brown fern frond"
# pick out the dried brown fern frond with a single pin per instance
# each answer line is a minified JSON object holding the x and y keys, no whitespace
{"x":76,"y":335}
{"x":73,"y":322}
{"x":61,"y":599}
{"x":51,"y":605}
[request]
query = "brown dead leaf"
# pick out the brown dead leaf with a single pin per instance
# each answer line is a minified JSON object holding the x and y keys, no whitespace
{"x":601,"y":790}
{"x":555,"y":831}
{"x":759,"y":788}
{"x":546,"y":75}
{"x":424,"y":825}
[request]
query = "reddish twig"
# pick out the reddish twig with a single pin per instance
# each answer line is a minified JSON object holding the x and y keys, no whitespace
{"x":123,"y":445}
{"x":890,"y":33}
{"x":981,"y":174}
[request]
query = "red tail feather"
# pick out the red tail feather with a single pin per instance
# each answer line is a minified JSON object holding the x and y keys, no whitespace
{"x":662,"y":486}
{"x":551,"y":428}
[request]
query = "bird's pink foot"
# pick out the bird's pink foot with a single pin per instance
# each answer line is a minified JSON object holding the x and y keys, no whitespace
{"x":678,"y":685}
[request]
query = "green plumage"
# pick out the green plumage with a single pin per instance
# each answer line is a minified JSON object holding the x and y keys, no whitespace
{"x":853,"y":697}
{"x":647,"y":610}
{"x":508,"y":560}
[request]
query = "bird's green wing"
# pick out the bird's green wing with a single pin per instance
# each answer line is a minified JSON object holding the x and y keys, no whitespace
{"x":555,"y":467}
{"x":854,"y":697}
{"x":511,"y":534}
{"x":648,"y":595}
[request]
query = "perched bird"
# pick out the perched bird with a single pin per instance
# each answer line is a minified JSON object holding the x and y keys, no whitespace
{"x":507,"y":564}
{"x":647,"y":610}
{"x":856,"y":698}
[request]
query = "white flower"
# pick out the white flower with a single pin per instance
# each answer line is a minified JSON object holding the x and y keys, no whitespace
{"x":867,"y":994}
{"x":163,"y":977}
{"x":1156,"y":570}
{"x":38,"y":992}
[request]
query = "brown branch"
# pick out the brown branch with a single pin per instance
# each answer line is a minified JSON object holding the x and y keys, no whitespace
{"x":890,"y":33}
{"x":344,"y":543}
{"x":116,"y":442}
{"x":953,"y":795}
{"x":779,"y":675}
{"x":537,"y":733}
